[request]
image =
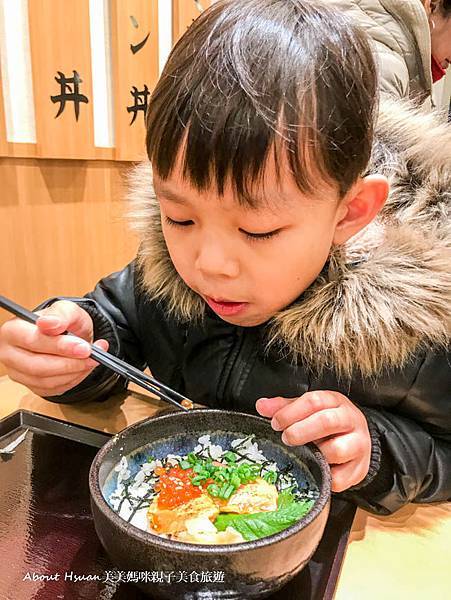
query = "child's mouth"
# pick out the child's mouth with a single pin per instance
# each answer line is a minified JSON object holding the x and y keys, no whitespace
{"x":225,"y":308}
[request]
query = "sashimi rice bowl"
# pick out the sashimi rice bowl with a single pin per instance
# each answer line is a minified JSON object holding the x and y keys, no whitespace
{"x":179,"y":492}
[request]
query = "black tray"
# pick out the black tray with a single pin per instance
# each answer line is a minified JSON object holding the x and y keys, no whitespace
{"x":48,"y":546}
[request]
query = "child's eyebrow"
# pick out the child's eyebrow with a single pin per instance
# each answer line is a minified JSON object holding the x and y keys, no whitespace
{"x":172,"y":196}
{"x":169,"y":194}
{"x":251,"y":203}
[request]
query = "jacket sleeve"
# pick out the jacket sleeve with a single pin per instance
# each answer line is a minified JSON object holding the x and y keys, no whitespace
{"x":413,"y":450}
{"x":112,"y":307}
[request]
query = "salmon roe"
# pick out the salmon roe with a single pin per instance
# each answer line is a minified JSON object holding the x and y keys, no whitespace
{"x":175,"y":487}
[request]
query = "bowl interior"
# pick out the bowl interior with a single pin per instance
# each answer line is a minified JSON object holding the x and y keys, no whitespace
{"x":183,"y":443}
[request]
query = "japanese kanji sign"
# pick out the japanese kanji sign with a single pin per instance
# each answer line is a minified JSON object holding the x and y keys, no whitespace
{"x":62,"y":78}
{"x":135,"y":52}
{"x":69,"y":92}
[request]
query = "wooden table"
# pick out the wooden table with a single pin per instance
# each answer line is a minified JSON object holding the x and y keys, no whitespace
{"x":404,"y":556}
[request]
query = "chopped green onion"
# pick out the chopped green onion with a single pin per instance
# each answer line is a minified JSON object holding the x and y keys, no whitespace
{"x":229,"y":491}
{"x":270,"y":477}
{"x":226,"y":477}
{"x":213,"y":489}
{"x":235,"y":480}
{"x":192,"y":458}
{"x":223,"y":490}
{"x":230,"y":456}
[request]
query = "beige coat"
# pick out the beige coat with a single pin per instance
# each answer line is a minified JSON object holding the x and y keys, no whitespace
{"x":399,"y":30}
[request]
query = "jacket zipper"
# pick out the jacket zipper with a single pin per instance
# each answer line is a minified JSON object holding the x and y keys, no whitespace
{"x":229,"y":366}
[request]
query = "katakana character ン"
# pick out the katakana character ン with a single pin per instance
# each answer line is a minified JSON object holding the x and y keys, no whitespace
{"x":138,"y":47}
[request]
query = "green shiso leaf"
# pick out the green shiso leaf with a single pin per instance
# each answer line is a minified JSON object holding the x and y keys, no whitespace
{"x":257,"y":525}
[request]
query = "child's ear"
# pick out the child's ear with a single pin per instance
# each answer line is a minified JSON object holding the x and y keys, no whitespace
{"x":360,"y":206}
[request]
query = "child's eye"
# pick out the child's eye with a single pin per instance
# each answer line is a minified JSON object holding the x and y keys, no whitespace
{"x":170,"y":221}
{"x":260,"y":236}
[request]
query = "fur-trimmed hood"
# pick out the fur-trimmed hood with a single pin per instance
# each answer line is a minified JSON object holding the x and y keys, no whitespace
{"x":383,"y":296}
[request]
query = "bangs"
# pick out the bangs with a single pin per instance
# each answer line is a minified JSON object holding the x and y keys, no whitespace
{"x":249,"y":83}
{"x":220,"y":145}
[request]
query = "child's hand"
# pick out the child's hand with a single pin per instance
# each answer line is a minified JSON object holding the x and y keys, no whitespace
{"x":45,"y":361}
{"x":333,"y":423}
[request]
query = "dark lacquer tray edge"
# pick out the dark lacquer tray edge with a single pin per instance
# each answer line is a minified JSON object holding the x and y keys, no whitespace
{"x":77,"y":433}
{"x":337,"y":563}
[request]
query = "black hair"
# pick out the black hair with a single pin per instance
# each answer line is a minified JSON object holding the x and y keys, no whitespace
{"x":251,"y":77}
{"x":445,"y":7}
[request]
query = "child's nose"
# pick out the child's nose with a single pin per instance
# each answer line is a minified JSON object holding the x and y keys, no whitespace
{"x":213,"y":260}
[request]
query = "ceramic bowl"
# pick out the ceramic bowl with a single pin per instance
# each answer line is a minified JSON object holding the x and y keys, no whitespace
{"x":169,"y":569}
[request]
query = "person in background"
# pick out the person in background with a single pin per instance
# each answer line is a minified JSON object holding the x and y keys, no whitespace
{"x":411,"y":39}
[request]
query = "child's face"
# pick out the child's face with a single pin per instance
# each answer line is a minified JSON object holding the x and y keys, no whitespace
{"x":247,"y":263}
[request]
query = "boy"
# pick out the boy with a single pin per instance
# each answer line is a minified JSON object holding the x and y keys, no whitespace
{"x":264,"y":282}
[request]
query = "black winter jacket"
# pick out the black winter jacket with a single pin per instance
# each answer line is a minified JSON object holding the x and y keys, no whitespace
{"x":375,"y":325}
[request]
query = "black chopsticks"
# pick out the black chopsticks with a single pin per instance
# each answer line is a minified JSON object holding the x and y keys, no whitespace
{"x":110,"y":361}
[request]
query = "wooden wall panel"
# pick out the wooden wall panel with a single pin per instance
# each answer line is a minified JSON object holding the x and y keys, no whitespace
{"x":3,"y":143}
{"x":135,"y":60}
{"x":61,"y":227}
{"x":60,"y":44}
{"x":184,"y":13}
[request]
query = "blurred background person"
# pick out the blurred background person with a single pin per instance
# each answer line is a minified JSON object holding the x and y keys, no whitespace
{"x":412,"y":42}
